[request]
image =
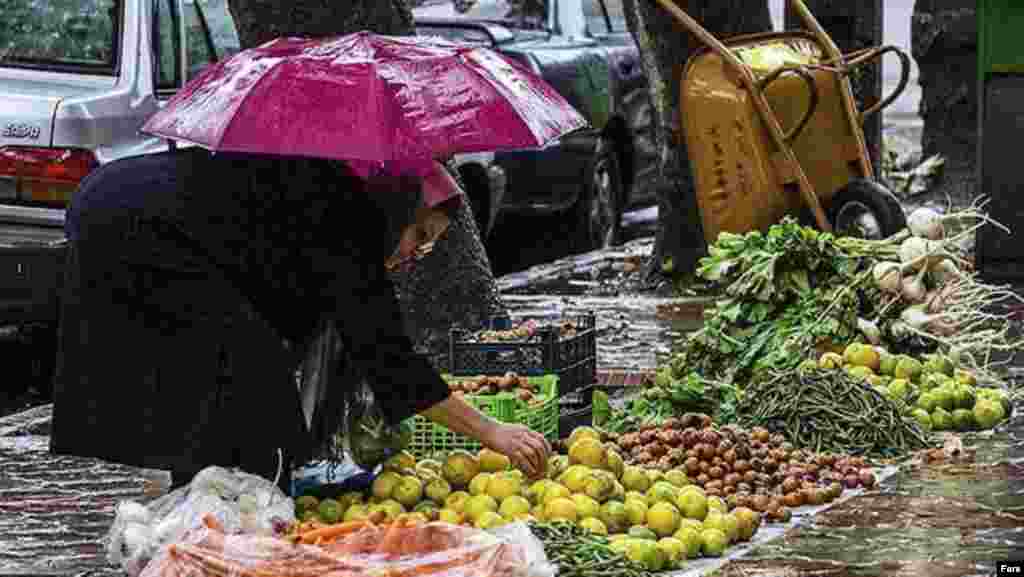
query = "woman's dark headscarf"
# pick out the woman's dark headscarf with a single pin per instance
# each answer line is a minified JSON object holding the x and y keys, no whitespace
{"x":397,"y":197}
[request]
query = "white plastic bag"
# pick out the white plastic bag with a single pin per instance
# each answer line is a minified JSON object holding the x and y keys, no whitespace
{"x":537,"y":564}
{"x":241,"y":502}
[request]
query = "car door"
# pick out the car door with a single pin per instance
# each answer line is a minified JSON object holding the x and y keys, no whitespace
{"x":189,"y":35}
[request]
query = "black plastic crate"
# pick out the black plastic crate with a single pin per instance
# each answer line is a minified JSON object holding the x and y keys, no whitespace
{"x":573,"y":360}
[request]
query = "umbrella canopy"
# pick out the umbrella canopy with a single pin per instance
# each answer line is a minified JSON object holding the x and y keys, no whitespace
{"x":376,"y":100}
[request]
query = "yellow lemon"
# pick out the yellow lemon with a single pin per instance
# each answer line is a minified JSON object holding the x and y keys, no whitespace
{"x":560,"y":508}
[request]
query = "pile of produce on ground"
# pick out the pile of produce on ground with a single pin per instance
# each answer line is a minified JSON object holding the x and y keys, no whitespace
{"x":932,"y":389}
{"x":755,"y":468}
{"x":831,"y":410}
{"x":232,"y":524}
{"x":708,"y":488}
{"x":665,"y":397}
{"x":792,"y":294}
{"x":404,"y":547}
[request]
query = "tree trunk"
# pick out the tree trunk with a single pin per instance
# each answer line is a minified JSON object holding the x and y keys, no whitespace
{"x":944,"y":35}
{"x":260,"y":21}
{"x":664,"y":47}
{"x":453,"y":285}
{"x":853,"y":26}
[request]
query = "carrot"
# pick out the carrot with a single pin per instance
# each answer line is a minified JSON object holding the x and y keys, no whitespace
{"x":332,"y":532}
{"x":213,"y":523}
{"x":393,"y":538}
{"x":214,"y":565}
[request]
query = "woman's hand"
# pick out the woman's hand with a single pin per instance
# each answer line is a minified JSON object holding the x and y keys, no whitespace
{"x":527,"y":449}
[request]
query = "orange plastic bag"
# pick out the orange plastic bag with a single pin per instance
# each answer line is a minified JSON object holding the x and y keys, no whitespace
{"x":395,"y":550}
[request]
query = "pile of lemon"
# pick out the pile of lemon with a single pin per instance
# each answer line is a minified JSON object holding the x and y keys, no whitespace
{"x":590,"y":487}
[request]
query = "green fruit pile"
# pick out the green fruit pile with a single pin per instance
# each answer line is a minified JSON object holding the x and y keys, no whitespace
{"x":937,"y":394}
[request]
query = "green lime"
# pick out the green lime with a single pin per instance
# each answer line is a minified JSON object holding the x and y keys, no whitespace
{"x":942,"y":420}
{"x":963,"y":419}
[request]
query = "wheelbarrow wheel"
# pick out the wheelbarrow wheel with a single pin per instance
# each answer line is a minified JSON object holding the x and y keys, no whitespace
{"x":866,"y":209}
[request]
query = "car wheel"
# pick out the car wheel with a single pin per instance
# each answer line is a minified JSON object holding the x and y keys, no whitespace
{"x":598,"y":210}
{"x":866,"y":209}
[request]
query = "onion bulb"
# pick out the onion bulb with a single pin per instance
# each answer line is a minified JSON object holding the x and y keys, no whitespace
{"x":887,"y":276}
{"x":912,"y":250}
{"x":899,"y":330}
{"x":926,"y":223}
{"x":870,"y":330}
{"x":916,"y":316}
{"x":945,"y":271}
{"x":912,"y":288}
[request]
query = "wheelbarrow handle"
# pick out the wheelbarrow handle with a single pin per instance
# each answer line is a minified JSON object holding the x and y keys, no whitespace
{"x":812,"y":89}
{"x":876,"y":53}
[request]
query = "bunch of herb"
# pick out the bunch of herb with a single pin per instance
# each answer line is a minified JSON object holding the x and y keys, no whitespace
{"x":671,"y":396}
{"x":786,"y":293}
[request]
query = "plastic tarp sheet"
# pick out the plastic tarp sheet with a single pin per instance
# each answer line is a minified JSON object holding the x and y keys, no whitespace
{"x":394,"y":550}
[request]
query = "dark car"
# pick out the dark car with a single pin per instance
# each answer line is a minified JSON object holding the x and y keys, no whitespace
{"x":584,"y":50}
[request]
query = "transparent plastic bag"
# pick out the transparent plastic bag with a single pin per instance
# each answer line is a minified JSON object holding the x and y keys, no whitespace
{"x":238,"y":501}
{"x":396,"y":550}
{"x":366,"y":436}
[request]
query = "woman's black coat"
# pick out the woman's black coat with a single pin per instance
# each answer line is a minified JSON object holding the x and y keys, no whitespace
{"x":187,"y":272}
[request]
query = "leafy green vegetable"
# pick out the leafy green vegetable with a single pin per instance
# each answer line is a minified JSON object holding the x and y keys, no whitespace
{"x":786,"y":292}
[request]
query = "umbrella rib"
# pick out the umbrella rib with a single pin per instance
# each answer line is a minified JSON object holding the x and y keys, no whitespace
{"x":245,"y":97}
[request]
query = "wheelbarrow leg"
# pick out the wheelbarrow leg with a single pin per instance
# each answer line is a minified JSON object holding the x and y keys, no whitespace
{"x":764,"y":110}
{"x":853,"y":116}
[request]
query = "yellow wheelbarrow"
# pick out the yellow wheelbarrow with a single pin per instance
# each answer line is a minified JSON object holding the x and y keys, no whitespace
{"x":772,"y":128}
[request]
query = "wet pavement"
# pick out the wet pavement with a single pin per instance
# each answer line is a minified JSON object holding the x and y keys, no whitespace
{"x":946,"y":519}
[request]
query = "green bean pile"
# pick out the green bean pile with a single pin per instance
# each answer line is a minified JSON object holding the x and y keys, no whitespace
{"x":579,"y":553}
{"x":830,"y":411}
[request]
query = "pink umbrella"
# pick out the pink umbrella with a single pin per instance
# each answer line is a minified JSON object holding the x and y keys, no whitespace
{"x":381,"y":102}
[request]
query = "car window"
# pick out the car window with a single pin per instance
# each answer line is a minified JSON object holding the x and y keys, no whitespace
{"x":221,"y":25}
{"x":593,"y":11}
{"x":167,"y":47}
{"x":530,"y":14}
{"x":456,"y":34}
{"x":78,"y":34}
{"x":198,"y":48}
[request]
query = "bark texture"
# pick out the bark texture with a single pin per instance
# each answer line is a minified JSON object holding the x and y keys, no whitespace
{"x":260,"y":21}
{"x":453,"y":285}
{"x":664,"y":47}
{"x":853,"y":26}
{"x":944,"y":36}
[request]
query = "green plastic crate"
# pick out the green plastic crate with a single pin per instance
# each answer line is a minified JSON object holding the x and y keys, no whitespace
{"x":429,"y":438}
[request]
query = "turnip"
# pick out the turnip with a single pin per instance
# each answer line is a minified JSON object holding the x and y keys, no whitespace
{"x":887,"y":276}
{"x":913,"y":252}
{"x":870,"y":331}
{"x":912,"y":287}
{"x":926,"y":223}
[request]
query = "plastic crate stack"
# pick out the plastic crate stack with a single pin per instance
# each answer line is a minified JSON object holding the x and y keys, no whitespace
{"x":572,"y":359}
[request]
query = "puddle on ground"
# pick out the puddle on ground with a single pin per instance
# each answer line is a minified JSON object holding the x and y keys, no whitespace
{"x":955,"y":518}
{"x":635,"y":331}
{"x":815,"y":568}
{"x":56,"y":510}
